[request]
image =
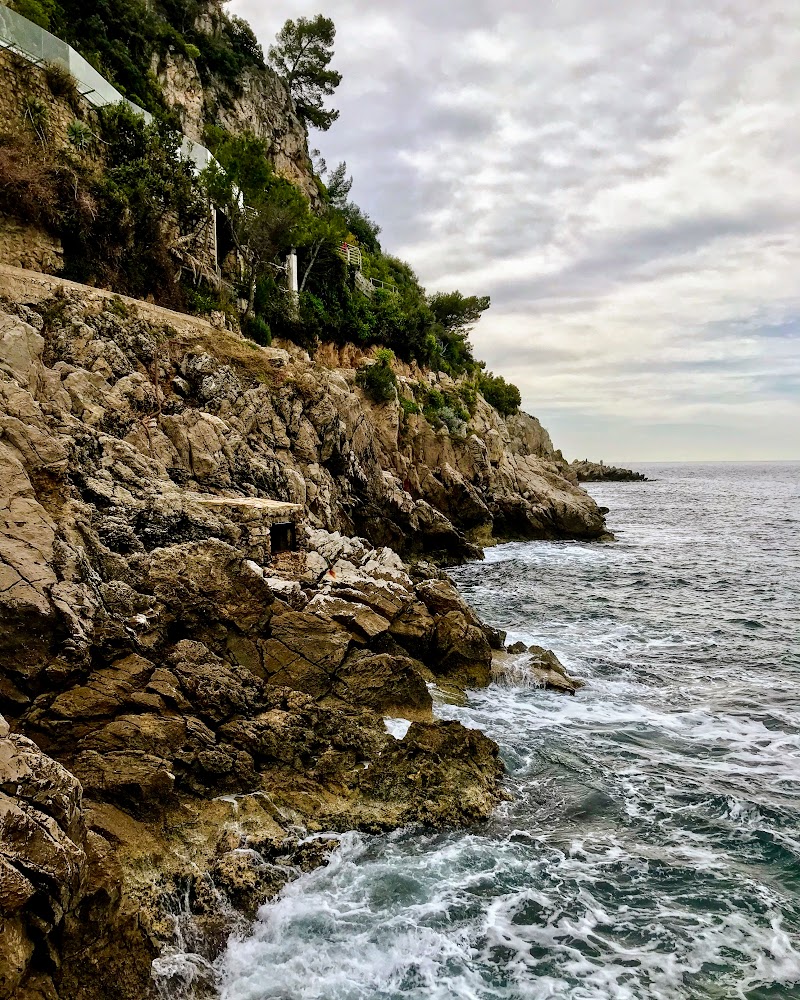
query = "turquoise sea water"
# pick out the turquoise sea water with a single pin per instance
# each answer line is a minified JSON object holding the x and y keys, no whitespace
{"x":652,"y":847}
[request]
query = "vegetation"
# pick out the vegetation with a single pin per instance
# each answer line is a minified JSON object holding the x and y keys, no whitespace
{"x":62,"y":84}
{"x":120,"y":220}
{"x":30,"y":184}
{"x":267,"y":214}
{"x":378,"y":379}
{"x":120,"y":37}
{"x":127,"y":208}
{"x":502,"y":395}
{"x":301,"y":54}
{"x":145,"y":201}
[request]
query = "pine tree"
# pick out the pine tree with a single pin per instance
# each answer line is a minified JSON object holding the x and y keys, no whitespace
{"x":301,"y":54}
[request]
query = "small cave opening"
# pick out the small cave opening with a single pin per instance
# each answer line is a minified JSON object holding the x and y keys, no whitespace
{"x":283,"y":537}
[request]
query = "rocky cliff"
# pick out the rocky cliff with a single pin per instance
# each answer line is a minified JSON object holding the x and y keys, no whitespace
{"x":259,"y":103}
{"x":187,"y":704}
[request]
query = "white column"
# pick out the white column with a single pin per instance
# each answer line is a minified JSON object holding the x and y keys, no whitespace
{"x":291,"y":277}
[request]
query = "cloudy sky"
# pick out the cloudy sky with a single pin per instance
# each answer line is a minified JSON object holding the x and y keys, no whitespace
{"x":621,"y":176}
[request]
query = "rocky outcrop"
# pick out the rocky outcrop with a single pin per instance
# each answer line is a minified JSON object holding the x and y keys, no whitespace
{"x":200,"y":745}
{"x":60,"y":882}
{"x":189,"y":703}
{"x":597,"y":472}
{"x":533,"y":666}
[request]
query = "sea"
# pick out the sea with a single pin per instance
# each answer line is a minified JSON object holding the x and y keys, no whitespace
{"x":651,"y":846}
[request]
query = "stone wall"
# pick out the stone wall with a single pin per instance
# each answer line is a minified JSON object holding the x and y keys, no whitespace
{"x":23,"y":244}
{"x":28,"y":246}
{"x":22,"y":81}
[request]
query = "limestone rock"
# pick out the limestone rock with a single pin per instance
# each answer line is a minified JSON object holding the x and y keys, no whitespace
{"x":46,"y":855}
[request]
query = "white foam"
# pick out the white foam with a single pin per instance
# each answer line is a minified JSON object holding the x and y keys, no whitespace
{"x":397,"y":727}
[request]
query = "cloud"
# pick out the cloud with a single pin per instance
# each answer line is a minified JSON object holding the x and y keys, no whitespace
{"x":622,"y":179}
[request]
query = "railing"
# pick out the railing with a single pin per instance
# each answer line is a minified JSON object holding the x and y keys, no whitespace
{"x":26,"y":39}
{"x":350,"y":254}
{"x":383,"y":285}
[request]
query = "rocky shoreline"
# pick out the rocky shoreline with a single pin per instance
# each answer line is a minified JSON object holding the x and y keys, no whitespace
{"x":219,"y":580}
{"x":597,"y":472}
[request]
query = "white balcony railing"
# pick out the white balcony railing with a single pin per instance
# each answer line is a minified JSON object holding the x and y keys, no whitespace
{"x":18,"y":34}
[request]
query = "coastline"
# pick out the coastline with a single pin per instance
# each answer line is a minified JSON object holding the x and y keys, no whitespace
{"x":207,"y":624}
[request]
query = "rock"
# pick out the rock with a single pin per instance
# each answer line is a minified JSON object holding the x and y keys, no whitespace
{"x":440,"y":773}
{"x":200,"y":696}
{"x":304,"y":652}
{"x":533,"y":665}
{"x":597,"y":472}
{"x":200,"y":584}
{"x":248,"y":880}
{"x":47,"y":856}
{"x":391,"y":685}
{"x":461,"y":651}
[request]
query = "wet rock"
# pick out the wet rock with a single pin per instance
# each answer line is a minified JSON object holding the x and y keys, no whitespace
{"x":439,"y":773}
{"x":391,"y":685}
{"x":533,"y":665}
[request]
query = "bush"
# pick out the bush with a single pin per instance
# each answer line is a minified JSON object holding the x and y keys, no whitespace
{"x":453,"y":421}
{"x":409,"y":407}
{"x":469,"y":396}
{"x":36,"y":115}
{"x":144,"y":201}
{"x":435,"y":400}
{"x":62,"y":84}
{"x":256,"y":329}
{"x":378,"y":379}
{"x":502,"y":395}
{"x":30,"y":189}
{"x":80,"y":135}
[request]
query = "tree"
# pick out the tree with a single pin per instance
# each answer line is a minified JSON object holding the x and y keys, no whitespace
{"x":301,"y":55}
{"x":454,"y":315}
{"x":267,"y":214}
{"x":338,"y":186}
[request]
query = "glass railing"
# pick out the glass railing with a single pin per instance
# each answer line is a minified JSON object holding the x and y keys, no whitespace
{"x":33,"y":43}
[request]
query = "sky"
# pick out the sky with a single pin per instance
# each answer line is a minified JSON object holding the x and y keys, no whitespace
{"x":622,"y":177}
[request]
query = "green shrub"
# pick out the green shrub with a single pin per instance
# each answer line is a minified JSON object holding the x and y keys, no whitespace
{"x":503,"y":396}
{"x":378,"y":379}
{"x":469,"y":396}
{"x":409,"y":407}
{"x":80,"y":135}
{"x":435,"y":400}
{"x":192,"y":52}
{"x":117,"y":307}
{"x":62,"y":83}
{"x":36,"y":115}
{"x":453,"y":421}
{"x":256,"y":329}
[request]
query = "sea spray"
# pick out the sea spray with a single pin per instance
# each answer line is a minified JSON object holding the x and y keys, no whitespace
{"x":651,"y":849}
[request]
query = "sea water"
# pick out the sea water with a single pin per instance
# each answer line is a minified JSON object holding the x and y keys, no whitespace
{"x":651,"y":850}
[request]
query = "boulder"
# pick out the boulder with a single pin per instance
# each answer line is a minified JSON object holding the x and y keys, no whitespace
{"x":50,"y":868}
